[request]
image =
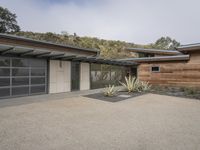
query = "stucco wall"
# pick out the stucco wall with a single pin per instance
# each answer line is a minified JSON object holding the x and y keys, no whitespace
{"x":85,"y":76}
{"x":59,"y":76}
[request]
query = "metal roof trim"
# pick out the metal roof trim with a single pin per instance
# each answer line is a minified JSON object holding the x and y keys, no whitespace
{"x":162,"y":58}
{"x":189,"y":47}
{"x":155,"y":51}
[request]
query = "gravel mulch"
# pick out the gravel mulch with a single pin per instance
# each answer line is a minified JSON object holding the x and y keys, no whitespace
{"x":120,"y":96}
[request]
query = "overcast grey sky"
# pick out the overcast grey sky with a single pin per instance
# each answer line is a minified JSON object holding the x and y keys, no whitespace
{"x":138,"y":21}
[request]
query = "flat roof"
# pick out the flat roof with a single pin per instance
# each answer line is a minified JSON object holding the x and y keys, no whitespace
{"x":46,"y":42}
{"x":155,"y":51}
{"x":158,"y":58}
{"x":189,"y":47}
{"x":21,"y":51}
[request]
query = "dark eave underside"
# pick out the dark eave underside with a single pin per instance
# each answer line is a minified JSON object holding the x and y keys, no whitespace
{"x":7,"y":50}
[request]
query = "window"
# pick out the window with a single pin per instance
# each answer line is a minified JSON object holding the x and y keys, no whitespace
{"x":102,"y":75}
{"x":155,"y":69}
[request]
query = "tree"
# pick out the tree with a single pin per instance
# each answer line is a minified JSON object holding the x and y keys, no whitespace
{"x":8,"y":22}
{"x":108,"y":48}
{"x":166,"y":43}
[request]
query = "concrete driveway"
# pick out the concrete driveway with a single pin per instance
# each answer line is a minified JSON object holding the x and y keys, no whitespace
{"x":148,"y":122}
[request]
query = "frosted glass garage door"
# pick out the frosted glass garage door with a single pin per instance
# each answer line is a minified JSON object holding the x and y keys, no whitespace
{"x":22,"y":76}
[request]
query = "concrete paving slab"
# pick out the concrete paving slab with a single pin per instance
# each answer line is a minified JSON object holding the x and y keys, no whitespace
{"x":147,"y":122}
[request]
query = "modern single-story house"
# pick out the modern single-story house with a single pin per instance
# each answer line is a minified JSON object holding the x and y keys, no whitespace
{"x":29,"y":67}
{"x":179,"y":67}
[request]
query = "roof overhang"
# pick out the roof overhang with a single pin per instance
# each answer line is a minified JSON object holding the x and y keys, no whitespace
{"x":159,"y":59}
{"x":24,"y":39}
{"x":189,"y":47}
{"x":154,"y":51}
{"x":7,"y":50}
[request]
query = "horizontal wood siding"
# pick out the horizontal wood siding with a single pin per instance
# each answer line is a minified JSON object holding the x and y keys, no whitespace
{"x":177,"y":73}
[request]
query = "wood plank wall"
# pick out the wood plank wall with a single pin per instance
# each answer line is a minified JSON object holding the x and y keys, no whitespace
{"x":177,"y":73}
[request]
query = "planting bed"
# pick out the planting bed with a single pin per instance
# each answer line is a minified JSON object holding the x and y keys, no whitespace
{"x":177,"y":91}
{"x":120,"y":96}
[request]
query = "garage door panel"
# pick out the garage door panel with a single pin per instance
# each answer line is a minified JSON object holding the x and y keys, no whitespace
{"x":38,"y":80}
{"x":4,"y":82}
{"x":20,"y":72}
{"x":4,"y":92}
{"x":4,"y":62}
{"x":37,"y":72}
{"x":20,"y":90}
{"x":4,"y":72}
{"x":38,"y":89}
{"x":20,"y":81}
{"x":22,"y":76}
{"x":20,"y":62}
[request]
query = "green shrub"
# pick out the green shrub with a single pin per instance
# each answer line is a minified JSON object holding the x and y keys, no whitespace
{"x":144,"y":86}
{"x":190,"y":91}
{"x":182,"y":89}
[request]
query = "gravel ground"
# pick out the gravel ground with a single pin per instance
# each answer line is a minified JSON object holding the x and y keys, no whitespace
{"x":147,"y":122}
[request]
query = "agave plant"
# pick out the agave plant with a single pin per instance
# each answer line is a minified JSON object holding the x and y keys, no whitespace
{"x":129,"y":84}
{"x":145,"y":86}
{"x":110,"y":91}
{"x":132,"y":84}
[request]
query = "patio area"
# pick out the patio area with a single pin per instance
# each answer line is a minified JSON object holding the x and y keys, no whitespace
{"x":150,"y":121}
